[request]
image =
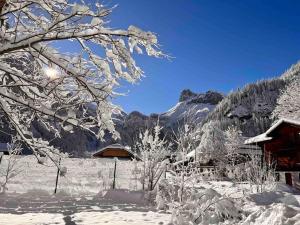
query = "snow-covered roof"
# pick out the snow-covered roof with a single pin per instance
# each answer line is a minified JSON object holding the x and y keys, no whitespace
{"x":279,"y":122}
{"x":117,"y":146}
{"x":264,"y":136}
{"x":259,"y":138}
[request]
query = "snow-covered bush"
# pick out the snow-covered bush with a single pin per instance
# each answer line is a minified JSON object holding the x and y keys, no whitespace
{"x":260,"y":174}
{"x":198,"y":206}
{"x":275,"y":214}
{"x":205,"y":207}
{"x":153,"y":150}
{"x":9,"y":167}
{"x":40,"y":83}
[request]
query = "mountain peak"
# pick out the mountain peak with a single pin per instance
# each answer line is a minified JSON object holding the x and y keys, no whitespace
{"x":186,"y":94}
{"x":210,"y":97}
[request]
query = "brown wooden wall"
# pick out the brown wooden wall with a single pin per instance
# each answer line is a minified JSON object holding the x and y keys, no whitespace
{"x":284,"y":148}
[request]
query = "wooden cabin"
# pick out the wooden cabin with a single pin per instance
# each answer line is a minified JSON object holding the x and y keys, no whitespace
{"x":116,"y":150}
{"x":281,"y":145}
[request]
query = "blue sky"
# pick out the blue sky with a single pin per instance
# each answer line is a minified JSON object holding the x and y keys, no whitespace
{"x":217,"y":45}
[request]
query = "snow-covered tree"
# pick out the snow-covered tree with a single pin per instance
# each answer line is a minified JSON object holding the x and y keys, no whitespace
{"x":233,"y":142}
{"x":153,"y":150}
{"x":41,"y":83}
{"x":288,"y":104}
{"x":186,"y":139}
{"x":212,"y":144}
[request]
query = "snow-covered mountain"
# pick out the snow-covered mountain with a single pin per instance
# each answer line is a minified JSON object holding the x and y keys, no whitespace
{"x":250,"y":108}
{"x":190,"y":106}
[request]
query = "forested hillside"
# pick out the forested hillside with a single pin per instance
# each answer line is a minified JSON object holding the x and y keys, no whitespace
{"x":250,"y":108}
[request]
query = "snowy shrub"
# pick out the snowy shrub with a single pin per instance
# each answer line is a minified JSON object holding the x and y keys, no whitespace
{"x":190,"y":204}
{"x":259,"y":174}
{"x":276,"y":214}
{"x":153,"y":150}
{"x":165,"y":193}
{"x":10,"y":168}
{"x":198,"y":206}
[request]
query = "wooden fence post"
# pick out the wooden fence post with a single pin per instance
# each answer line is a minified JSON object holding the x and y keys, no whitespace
{"x":1,"y":155}
{"x":115,"y":170}
{"x":57,"y":175}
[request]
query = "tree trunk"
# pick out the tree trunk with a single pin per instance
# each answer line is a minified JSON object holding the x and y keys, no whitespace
{"x":57,"y":176}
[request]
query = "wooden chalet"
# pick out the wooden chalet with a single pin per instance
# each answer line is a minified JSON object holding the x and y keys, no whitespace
{"x":116,"y":150}
{"x":281,"y":145}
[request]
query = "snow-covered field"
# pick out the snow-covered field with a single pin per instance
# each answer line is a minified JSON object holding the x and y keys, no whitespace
{"x":87,"y":218}
{"x":83,"y":176}
{"x":114,"y":207}
{"x":84,"y":198}
{"x":119,"y":207}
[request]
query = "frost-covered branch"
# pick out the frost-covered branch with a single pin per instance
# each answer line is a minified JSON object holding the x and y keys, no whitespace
{"x":63,"y":90}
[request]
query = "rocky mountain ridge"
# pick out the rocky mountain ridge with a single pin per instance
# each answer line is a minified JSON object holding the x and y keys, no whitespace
{"x":190,"y":105}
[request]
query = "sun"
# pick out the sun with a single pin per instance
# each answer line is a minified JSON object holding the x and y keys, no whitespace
{"x":51,"y":73}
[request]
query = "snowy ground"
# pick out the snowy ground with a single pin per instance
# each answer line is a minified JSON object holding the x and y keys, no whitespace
{"x":280,"y":206}
{"x":82,"y":198}
{"x":115,"y":207}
